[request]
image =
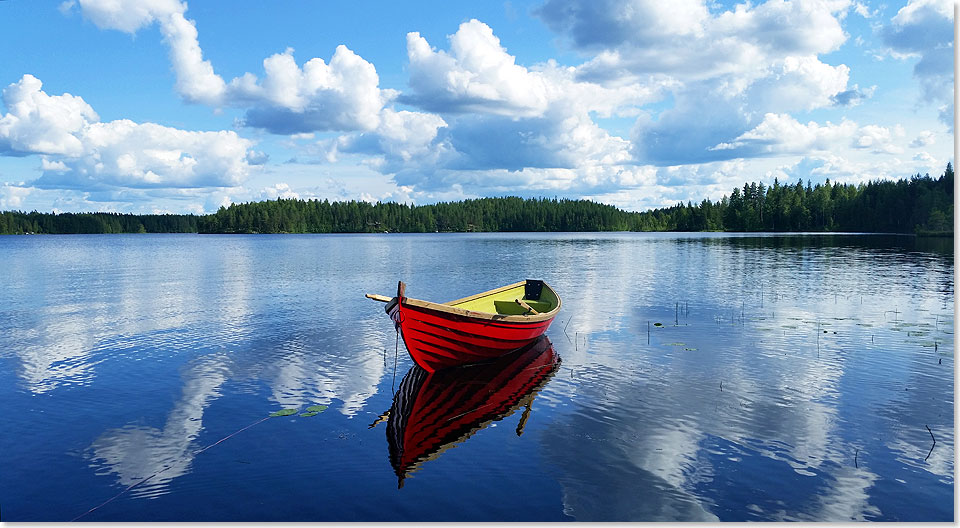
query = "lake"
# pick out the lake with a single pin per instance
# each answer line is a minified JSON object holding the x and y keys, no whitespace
{"x":692,"y":377}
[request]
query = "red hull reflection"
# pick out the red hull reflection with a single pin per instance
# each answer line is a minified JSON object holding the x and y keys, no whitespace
{"x":434,"y":411}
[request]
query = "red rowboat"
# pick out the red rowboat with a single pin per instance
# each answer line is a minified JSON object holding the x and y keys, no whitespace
{"x":434,"y":412}
{"x":473,"y":329}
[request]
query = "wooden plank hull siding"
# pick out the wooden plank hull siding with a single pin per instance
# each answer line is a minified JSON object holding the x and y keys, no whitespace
{"x":438,"y":340}
{"x":434,"y":411}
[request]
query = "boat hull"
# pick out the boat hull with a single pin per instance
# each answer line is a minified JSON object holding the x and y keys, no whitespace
{"x":438,"y":340}
{"x":474,"y":329}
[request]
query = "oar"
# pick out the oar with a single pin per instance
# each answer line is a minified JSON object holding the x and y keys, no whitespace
{"x":375,"y":297}
{"x":401,"y":289}
{"x":527,"y":306}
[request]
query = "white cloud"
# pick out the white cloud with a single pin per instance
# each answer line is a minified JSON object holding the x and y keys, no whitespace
{"x":278,"y":190}
{"x":53,"y":166}
{"x":725,"y":69}
{"x":920,"y":10}
{"x":798,"y":83}
{"x":843,"y":169}
{"x":37,"y":122}
{"x":686,"y":41}
{"x":879,"y":139}
{"x":196,"y":80}
{"x":925,"y":138}
{"x":924,"y":29}
{"x":342,"y":95}
{"x":215,"y":200}
{"x":403,"y":140}
{"x":12,"y":195}
{"x":83,"y":153}
{"x":478,"y":75}
{"x":781,"y":134}
{"x":127,"y":15}
{"x":861,"y":9}
{"x":502,"y":127}
{"x":926,"y":159}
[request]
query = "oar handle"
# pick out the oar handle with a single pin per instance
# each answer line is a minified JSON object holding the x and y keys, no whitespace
{"x":375,"y":297}
{"x":527,"y":306}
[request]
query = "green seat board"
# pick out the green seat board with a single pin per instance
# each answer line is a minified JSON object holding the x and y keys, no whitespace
{"x":512,"y":308}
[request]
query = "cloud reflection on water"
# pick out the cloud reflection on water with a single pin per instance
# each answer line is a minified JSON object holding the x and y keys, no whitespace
{"x":663,"y":405}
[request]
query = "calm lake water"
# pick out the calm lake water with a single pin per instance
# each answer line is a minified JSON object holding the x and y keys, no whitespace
{"x":693,"y":377}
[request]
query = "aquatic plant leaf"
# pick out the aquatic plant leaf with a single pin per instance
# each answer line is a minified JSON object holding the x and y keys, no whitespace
{"x":316,"y":408}
{"x":691,"y":349}
{"x":657,"y":324}
{"x":284,"y":412}
{"x":310,"y":413}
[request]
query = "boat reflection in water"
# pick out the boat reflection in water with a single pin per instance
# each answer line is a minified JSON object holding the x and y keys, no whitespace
{"x":433,"y":412}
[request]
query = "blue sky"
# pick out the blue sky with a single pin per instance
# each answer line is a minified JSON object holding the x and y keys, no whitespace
{"x":164,"y":106}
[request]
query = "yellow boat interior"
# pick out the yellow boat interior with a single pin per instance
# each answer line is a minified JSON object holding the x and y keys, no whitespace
{"x":504,"y":301}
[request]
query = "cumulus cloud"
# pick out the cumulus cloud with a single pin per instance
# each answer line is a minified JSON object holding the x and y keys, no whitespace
{"x":498,"y":126}
{"x":924,"y":29}
{"x":685,"y":40}
{"x":404,"y":139}
{"x":529,"y":182}
{"x":879,"y":139}
{"x":40,"y":123}
{"x":342,"y":95}
{"x":725,"y":69}
{"x":279,"y":190}
{"x":478,"y":75}
{"x":925,"y":138}
{"x":780,"y":134}
{"x":81,"y":152}
{"x":12,"y":195}
{"x":196,"y":80}
{"x":841,"y":169}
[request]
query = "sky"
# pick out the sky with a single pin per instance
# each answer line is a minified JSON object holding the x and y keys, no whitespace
{"x":160,"y":106}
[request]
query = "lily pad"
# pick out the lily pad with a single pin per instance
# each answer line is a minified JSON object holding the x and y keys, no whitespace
{"x":310,"y":413}
{"x":284,"y":412}
{"x":657,"y":324}
{"x":316,"y":408}
{"x":691,"y":349}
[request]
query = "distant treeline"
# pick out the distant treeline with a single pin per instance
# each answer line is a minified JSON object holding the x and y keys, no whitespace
{"x":920,"y":204}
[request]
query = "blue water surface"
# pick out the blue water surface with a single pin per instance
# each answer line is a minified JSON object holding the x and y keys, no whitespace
{"x":704,"y":377}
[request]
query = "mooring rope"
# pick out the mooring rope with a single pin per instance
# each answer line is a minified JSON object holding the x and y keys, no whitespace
{"x":135,"y":484}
